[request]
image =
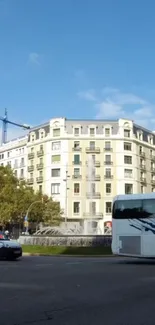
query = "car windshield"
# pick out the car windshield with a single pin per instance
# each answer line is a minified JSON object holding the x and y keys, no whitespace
{"x":3,"y":236}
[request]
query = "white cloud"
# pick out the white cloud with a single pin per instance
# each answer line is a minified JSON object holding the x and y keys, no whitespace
{"x":88,"y":95}
{"x":115,"y":104}
{"x":34,"y":58}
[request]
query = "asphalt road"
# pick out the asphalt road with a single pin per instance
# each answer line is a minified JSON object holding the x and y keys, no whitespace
{"x":77,"y":291}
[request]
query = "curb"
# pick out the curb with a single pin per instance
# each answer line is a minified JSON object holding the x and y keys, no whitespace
{"x":65,"y":255}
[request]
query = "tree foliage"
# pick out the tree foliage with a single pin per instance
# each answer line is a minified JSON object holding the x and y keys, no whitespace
{"x":17,"y":198}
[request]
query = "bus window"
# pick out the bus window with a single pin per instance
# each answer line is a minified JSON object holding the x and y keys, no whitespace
{"x":127,"y":209}
{"x":149,"y":208}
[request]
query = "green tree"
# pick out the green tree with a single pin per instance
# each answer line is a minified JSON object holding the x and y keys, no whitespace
{"x":16,"y":197}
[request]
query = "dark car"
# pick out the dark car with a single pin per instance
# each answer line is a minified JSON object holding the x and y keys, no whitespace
{"x":9,"y":249}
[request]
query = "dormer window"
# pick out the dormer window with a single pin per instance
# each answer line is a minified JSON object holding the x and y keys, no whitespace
{"x":76,"y":131}
{"x":126,"y":133}
{"x":150,"y":139}
{"x":107,"y":132}
{"x":32,"y":137}
{"x":92,"y":131}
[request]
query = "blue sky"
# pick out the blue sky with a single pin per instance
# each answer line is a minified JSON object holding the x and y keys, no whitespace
{"x":78,"y":59}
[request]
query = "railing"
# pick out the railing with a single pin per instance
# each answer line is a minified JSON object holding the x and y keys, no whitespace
{"x":31,"y":155}
{"x":40,"y":153}
{"x":93,"y":214}
{"x":76,"y":176}
{"x":108,"y":149}
{"x":108,"y":162}
{"x":30,"y":181}
{"x":142,"y":166}
{"x":39,"y":179}
{"x":96,"y":195}
{"x":93,"y":178}
{"x":40,"y":166}
{"x":76,"y":162}
{"x":108,"y":176}
{"x":93,"y":150}
{"x":142,"y":154}
{"x":143,"y":180}
{"x":30,"y":168}
{"x":76,"y":149}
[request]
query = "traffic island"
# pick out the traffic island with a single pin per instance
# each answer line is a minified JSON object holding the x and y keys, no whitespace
{"x":37,"y":250}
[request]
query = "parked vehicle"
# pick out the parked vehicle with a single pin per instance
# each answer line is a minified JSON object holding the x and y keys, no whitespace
{"x":9,"y":249}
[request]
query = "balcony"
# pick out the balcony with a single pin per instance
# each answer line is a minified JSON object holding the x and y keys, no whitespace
{"x":142,"y":166}
{"x":76,"y":162}
{"x":143,"y":180}
{"x":153,"y":181}
{"x":97,"y":164}
{"x":76,"y":176}
{"x":142,"y":154}
{"x":152,"y":157}
{"x":30,"y":168}
{"x":31,"y":155}
{"x":108,"y":149}
{"x":76,"y":149}
{"x":30,"y":181}
{"x":94,"y":195}
{"x":95,"y":215}
{"x":93,"y":178}
{"x":108,"y":176}
{"x":39,"y":179}
{"x":22,"y":165}
{"x":40,"y":153}
{"x":21,"y":177}
{"x":93,"y":150}
{"x":108,"y":162}
{"x":153,"y":170}
{"x":40,"y":166}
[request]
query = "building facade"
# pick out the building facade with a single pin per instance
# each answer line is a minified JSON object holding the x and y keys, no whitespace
{"x":84,"y":164}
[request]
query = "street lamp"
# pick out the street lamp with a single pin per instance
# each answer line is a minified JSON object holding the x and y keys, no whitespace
{"x":28,"y":210}
{"x":67,"y":188}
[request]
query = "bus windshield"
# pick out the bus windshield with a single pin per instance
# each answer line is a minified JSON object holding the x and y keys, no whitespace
{"x":134,"y":209}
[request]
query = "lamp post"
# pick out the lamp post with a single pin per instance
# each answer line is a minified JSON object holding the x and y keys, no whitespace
{"x":28,"y":210}
{"x":66,"y":197}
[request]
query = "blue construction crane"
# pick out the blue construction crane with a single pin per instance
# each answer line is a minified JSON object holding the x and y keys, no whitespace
{"x":4,"y":126}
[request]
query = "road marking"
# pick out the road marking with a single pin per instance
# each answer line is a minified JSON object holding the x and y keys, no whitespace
{"x":44,"y":265}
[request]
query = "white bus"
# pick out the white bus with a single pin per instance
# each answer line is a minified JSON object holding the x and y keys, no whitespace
{"x":133,"y":225}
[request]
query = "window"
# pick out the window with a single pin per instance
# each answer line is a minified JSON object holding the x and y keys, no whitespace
{"x":40,"y":173}
{"x":128,"y":173}
{"x":107,"y":145}
{"x":31,"y":175}
{"x":127,"y":146}
{"x":92,"y":144}
{"x":108,"y":206}
{"x":126,"y":133}
{"x":56,"y":158}
{"x":108,"y":188}
{"x":40,"y":188}
{"x":76,"y":131}
{"x":93,"y":188}
{"x":22,"y":162}
{"x":55,"y":188}
{"x":128,"y":160}
{"x":127,"y":209}
{"x":108,"y":159}
{"x":76,"y":188}
{"x":107,"y":132}
{"x":76,"y":172}
{"x":56,"y":132}
{"x":76,"y":159}
{"x":56,"y":145}
{"x":8,"y":154}
{"x":55,"y":172}
{"x":32,"y":149}
{"x":92,"y":131}
{"x":32,"y":137}
{"x":76,"y":207}
{"x":92,"y":208}
{"x":41,"y":147}
{"x":22,"y":173}
{"x":142,"y":189}
{"x":76,"y":145}
{"x":16,"y":163}
{"x":42,"y":134}
{"x":128,"y":188}
{"x":108,"y":172}
{"x":41,"y":161}
{"x":31,"y":162}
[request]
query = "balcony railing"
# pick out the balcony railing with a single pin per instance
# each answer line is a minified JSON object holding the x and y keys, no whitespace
{"x":40,"y":166}
{"x":108,"y":149}
{"x":93,"y":178}
{"x":153,"y":170}
{"x":108,"y":162}
{"x":22,"y":165}
{"x":153,"y":181}
{"x":93,"y":150}
{"x":76,"y":176}
{"x":95,"y":163}
{"x":31,"y":168}
{"x":76,"y":162}
{"x":152,"y":157}
{"x":31,"y":155}
{"x":21,"y":177}
{"x":143,"y":180}
{"x":76,"y":149}
{"x":39,"y":179}
{"x":30,"y":181}
{"x":142,"y":166}
{"x":96,"y":195}
{"x":142,"y":154}
{"x":93,"y":214}
{"x":40,"y":153}
{"x":108,"y":176}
